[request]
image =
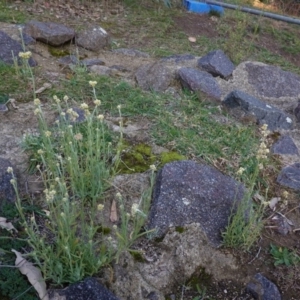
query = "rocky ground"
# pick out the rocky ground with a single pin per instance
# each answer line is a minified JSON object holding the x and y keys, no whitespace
{"x":112,"y":17}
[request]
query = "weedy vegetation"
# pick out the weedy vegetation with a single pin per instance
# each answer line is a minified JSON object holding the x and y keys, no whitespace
{"x":284,"y":256}
{"x":77,"y":155}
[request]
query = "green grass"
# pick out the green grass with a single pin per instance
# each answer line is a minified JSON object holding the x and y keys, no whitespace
{"x":11,"y":83}
{"x":186,"y":124}
{"x":197,"y":133}
{"x":288,"y":38}
{"x":11,"y":15}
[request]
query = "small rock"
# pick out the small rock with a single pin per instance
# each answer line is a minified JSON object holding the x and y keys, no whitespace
{"x":94,"y":38}
{"x":285,"y":145}
{"x":49,"y":33}
{"x":3,"y":108}
{"x":10,"y":49}
{"x":131,"y":52}
{"x":281,"y":224}
{"x":156,"y":77}
{"x":102,"y":70}
{"x":290,"y":176}
{"x":69,"y":60}
{"x":88,"y":62}
{"x":217,"y":64}
{"x":196,"y":80}
{"x":89,"y":288}
{"x":263,"y":289}
{"x":264,"y":113}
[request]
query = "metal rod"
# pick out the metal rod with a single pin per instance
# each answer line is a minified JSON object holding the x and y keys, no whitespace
{"x":256,"y":12}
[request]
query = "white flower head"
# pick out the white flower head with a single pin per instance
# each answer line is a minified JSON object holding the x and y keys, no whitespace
{"x":240,"y":171}
{"x":37,"y":111}
{"x":100,"y":207}
{"x":92,"y":83}
{"x":97,"y":102}
{"x":37,"y":102}
{"x":25,"y":55}
{"x":84,"y":106}
{"x":78,"y":137}
{"x":40,"y":152}
{"x":100,"y":118}
{"x":134,"y":209}
{"x":56,"y":99}
{"x":264,"y":127}
{"x":47,"y":133}
{"x":153,"y":168}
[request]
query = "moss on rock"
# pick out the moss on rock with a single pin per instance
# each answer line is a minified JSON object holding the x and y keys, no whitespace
{"x":138,"y":158}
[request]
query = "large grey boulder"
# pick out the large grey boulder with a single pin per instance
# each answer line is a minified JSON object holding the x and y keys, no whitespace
{"x":272,"y":81}
{"x":171,"y":262}
{"x":290,"y":176}
{"x":93,"y":38}
{"x":264,"y":113}
{"x":48,"y":32}
{"x":181,"y":254}
{"x":268,"y":83}
{"x":156,"y":77}
{"x":216,"y":63}
{"x":196,"y":81}
{"x":186,"y":192}
{"x":10,"y":49}
{"x":129,"y":282}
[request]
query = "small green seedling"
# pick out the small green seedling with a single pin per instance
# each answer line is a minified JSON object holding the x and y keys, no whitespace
{"x":202,"y":293}
{"x":283,"y":256}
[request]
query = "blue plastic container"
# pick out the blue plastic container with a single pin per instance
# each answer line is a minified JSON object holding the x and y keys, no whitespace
{"x":217,"y":8}
{"x":201,"y":7}
{"x":197,"y":7}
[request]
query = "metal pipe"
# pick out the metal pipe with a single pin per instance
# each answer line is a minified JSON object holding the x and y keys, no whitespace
{"x":255,"y":12}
